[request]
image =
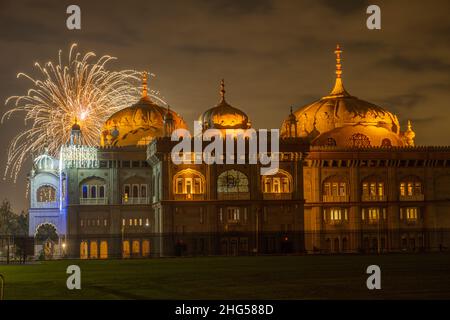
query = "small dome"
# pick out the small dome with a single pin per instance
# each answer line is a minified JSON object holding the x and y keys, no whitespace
{"x":336,"y":116}
{"x":224,"y":116}
{"x":76,"y":126}
{"x":44,"y":162}
{"x":138,"y":124}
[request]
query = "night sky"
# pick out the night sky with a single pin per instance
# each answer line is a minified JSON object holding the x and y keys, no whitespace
{"x":272,"y":54}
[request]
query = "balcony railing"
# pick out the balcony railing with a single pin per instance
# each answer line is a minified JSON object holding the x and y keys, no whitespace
{"x":93,"y":201}
{"x":136,"y":200}
{"x":234,"y":196}
{"x":189,"y":196}
{"x":414,"y":197}
{"x":277,"y":196}
{"x":373,"y":197}
{"x":328,"y":198}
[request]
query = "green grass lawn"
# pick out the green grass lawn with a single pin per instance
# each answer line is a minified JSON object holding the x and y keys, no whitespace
{"x":404,"y":276}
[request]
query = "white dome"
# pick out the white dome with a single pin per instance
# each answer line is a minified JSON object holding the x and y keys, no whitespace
{"x":44,"y":162}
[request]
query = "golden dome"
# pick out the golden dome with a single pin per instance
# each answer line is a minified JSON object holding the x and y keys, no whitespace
{"x":138,"y":124}
{"x":224,"y":116}
{"x":342,"y":119}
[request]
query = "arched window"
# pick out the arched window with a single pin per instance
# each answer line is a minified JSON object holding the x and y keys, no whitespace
{"x":103,"y":250}
{"x":101,"y":192}
{"x":359,"y":140}
{"x":145,"y":248}
{"x":188,"y":181}
{"x":94,"y":250}
{"x":331,"y":142}
{"x":135,"y":193}
{"x":83,"y":250}
{"x":125,"y":249}
{"x":281,"y":182}
{"x":411,"y":187}
{"x":386,"y":142}
{"x":232,"y":181}
{"x":93,"y":191}
{"x":335,"y":189}
{"x":126,"y":191}
{"x":46,"y":193}
{"x":373,"y":189}
{"x":136,"y":248}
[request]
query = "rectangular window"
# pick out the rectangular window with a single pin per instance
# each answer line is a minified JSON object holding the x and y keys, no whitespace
{"x":373,"y":189}
{"x":197,"y":185}
{"x":410,"y":189}
{"x":233,"y":214}
{"x":342,"y":189}
{"x":123,"y":222}
{"x":381,"y":189}
{"x":373,"y":214}
{"x":327,"y":189}
{"x":144,"y":190}
{"x":335,"y":189}
{"x":188,"y":182}
{"x":412,"y":214}
{"x":285,"y":185}
{"x":85,"y":191}
{"x":276,"y":185}
{"x":402,"y":189}
{"x":179,"y":185}
{"x":130,"y":222}
{"x":417,"y":188}
{"x":365,"y":188}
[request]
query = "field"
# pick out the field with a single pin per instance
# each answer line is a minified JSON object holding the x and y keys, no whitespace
{"x":403,"y":276}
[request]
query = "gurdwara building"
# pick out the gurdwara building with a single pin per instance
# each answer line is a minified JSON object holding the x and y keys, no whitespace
{"x":349,"y":180}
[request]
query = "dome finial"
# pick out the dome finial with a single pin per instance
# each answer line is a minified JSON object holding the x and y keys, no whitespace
{"x":338,"y":52}
{"x":222,"y":89}
{"x":144,"y":84}
{"x":338,"y":89}
{"x":409,"y":135}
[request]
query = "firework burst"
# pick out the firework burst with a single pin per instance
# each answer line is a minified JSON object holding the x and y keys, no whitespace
{"x":79,"y":90}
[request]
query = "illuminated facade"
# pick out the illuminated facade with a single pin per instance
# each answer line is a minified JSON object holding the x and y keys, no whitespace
{"x":349,"y":180}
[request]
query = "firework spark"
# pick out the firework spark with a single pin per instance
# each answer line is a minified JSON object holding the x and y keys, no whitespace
{"x":80,"y":90}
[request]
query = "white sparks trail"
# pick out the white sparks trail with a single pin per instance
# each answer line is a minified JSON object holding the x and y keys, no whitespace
{"x":79,"y":90}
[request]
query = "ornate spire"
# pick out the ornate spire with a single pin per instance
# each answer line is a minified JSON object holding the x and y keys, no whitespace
{"x":338,"y":89}
{"x":144,"y":84}
{"x":409,"y":135}
{"x":222,"y":90}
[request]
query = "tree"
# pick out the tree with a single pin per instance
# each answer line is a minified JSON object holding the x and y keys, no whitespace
{"x":13,"y":232}
{"x":8,"y":225}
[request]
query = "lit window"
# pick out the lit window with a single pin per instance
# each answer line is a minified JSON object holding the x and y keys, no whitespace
{"x":233,"y":214}
{"x":46,"y":194}
{"x":85,"y":191}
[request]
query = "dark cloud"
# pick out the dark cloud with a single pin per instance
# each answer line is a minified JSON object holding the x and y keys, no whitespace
{"x":240,"y":7}
{"x":403,"y":101}
{"x":345,"y":7}
{"x":204,"y":49}
{"x":416,"y":64}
